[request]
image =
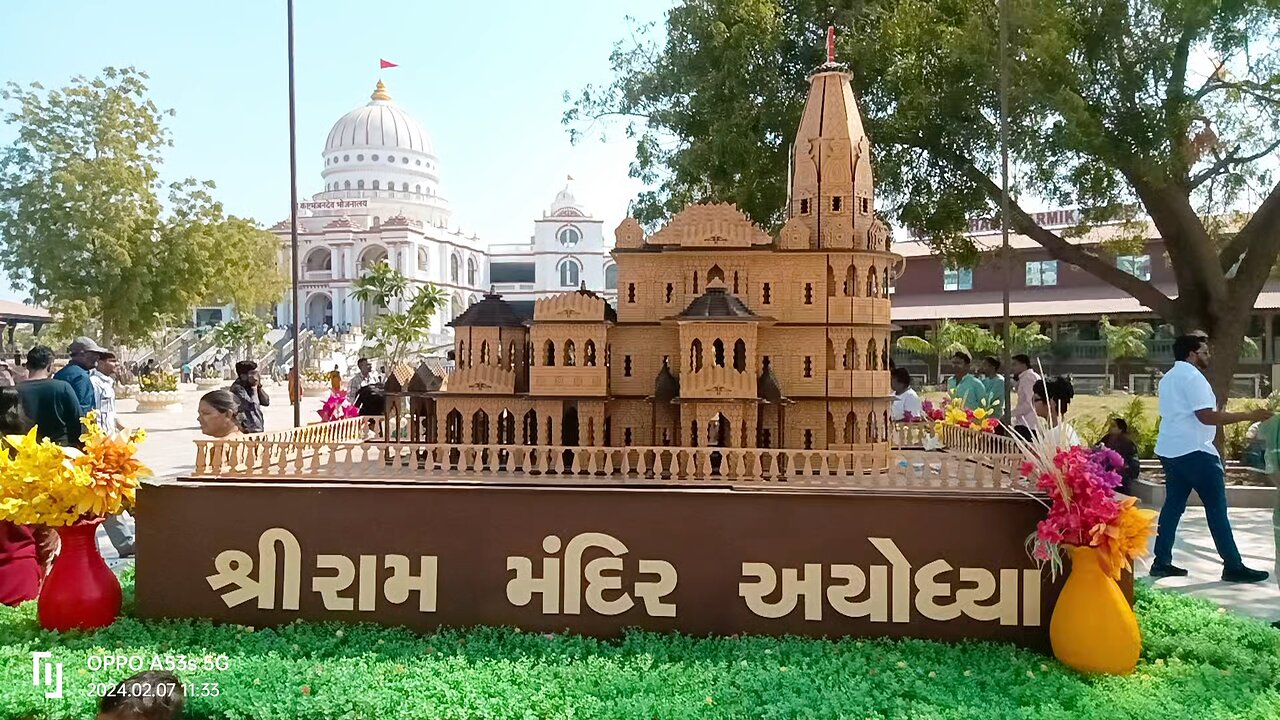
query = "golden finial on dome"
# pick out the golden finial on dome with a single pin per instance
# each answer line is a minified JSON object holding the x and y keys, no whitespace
{"x":380,"y":92}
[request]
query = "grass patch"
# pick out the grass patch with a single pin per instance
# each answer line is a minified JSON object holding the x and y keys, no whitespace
{"x":1198,"y":663}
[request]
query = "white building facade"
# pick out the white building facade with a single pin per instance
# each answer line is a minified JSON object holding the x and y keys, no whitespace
{"x":382,"y":201}
{"x":567,"y":252}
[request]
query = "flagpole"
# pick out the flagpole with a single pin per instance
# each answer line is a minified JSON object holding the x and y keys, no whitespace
{"x":293,"y":231}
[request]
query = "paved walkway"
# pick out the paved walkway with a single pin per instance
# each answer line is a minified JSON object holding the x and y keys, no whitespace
{"x":169,"y":452}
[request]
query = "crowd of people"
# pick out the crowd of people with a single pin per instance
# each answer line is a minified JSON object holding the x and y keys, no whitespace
{"x":1190,"y":416}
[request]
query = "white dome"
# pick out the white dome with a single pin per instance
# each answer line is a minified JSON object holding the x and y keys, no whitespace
{"x":565,"y":204}
{"x":382,"y":125}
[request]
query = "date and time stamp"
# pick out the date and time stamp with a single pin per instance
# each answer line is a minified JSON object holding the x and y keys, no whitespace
{"x":47,"y":673}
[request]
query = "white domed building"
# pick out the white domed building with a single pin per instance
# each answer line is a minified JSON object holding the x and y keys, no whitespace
{"x":381,"y":201}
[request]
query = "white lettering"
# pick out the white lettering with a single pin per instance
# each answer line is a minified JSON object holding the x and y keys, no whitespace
{"x":234,"y":568}
{"x":605,"y":593}
{"x":889,"y":596}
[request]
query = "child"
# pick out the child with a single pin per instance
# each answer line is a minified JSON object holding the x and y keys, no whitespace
{"x":145,"y":696}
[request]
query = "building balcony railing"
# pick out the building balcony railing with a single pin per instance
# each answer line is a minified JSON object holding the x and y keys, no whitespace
{"x":1159,"y":352}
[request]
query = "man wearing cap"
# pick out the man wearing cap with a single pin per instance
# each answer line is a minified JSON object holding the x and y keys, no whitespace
{"x":103,"y":378}
{"x":84,"y":354}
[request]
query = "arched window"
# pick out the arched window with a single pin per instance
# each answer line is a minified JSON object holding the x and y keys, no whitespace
{"x":740,"y":356}
{"x":695,"y":355}
{"x":718,"y":350}
{"x":319,"y":260}
{"x":871,"y":282}
{"x":471,"y":272}
{"x":404,"y":187}
{"x":457,"y":307}
{"x":850,"y":429}
{"x":550,"y":354}
{"x":715,"y":273}
{"x":530,"y":428}
{"x":569,"y":273}
{"x":611,"y":277}
{"x":850,"y":281}
{"x":851,"y":354}
{"x":346,"y":185}
{"x":569,"y":236}
{"x":570,"y":354}
{"x":461,"y":360}
{"x":871,"y":356}
{"x":831,"y":281}
{"x":417,"y":189}
{"x":589,"y":354}
{"x":454,"y":268}
{"x":422,"y":259}
{"x":484,"y":352}
{"x":473,"y":301}
{"x":359,"y":184}
{"x":375,"y":185}
{"x":511,"y":355}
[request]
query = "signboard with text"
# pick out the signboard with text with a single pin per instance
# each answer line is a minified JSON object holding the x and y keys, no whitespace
{"x":595,"y":561}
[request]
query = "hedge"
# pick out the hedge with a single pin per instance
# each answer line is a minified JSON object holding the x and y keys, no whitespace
{"x":1198,"y":662}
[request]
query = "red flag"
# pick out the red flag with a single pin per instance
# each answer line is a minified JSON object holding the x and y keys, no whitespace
{"x":384,"y":64}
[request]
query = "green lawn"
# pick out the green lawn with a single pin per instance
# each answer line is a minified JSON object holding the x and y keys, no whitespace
{"x":1198,"y":662}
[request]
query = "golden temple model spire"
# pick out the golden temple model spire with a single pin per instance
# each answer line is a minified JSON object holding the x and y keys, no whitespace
{"x":380,"y":92}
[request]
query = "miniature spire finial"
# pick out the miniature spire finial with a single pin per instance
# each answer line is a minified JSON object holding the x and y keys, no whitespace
{"x":380,"y":92}
{"x":831,"y":43}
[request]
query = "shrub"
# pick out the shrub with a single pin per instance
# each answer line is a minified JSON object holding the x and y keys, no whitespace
{"x":1197,"y":663}
{"x":161,"y":381}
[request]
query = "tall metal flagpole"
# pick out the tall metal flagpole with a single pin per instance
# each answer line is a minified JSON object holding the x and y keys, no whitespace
{"x":293,"y":231}
{"x":1004,"y":197}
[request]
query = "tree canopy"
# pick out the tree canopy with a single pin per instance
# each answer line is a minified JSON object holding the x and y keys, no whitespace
{"x":82,"y":225}
{"x":1126,"y":109}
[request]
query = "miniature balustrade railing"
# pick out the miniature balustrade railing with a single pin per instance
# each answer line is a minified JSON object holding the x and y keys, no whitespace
{"x":340,"y":452}
{"x":956,"y":439}
{"x":910,"y":434}
{"x":278,"y":447}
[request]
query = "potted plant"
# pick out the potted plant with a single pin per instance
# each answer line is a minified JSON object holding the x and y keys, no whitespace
{"x":72,"y":491}
{"x":1093,"y":628}
{"x":316,"y":383}
{"x":158,"y":392}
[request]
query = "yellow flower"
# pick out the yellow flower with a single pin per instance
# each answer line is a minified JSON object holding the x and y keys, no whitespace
{"x":1126,"y":539}
{"x":980,"y":413}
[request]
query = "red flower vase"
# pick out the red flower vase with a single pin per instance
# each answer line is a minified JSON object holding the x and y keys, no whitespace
{"x":81,"y":592}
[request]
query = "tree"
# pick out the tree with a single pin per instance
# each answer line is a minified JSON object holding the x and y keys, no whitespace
{"x":241,"y":336}
{"x":1123,"y":341}
{"x":1168,"y":109}
{"x":82,"y":227}
{"x":395,"y":335}
{"x":949,"y":339}
{"x":1027,"y":339}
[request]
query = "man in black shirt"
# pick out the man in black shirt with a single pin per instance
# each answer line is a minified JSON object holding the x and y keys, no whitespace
{"x":50,"y":403}
{"x":248,"y":391}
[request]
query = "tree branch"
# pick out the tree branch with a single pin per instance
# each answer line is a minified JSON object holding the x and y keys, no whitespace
{"x":1228,"y":160}
{"x":1261,"y":237}
{"x":1060,"y":249}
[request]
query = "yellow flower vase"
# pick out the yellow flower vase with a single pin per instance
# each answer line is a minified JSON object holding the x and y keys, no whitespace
{"x":1093,"y":629}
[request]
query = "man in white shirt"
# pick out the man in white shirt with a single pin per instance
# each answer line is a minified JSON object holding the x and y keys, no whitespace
{"x":103,"y":379}
{"x":905,"y":400}
{"x":1189,"y":418}
{"x":1024,"y":411}
{"x":364,"y":376}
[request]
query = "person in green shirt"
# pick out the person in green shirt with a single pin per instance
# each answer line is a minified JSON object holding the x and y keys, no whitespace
{"x":993,"y":381}
{"x":965,"y":385}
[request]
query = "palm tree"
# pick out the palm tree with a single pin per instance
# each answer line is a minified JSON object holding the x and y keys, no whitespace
{"x":1028,"y":338}
{"x":950,"y":338}
{"x":1123,"y":341}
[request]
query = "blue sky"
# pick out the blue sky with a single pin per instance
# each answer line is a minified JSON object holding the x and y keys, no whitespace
{"x":485,"y":79}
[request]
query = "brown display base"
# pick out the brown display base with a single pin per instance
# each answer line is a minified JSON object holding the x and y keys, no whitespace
{"x":431,"y":555}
